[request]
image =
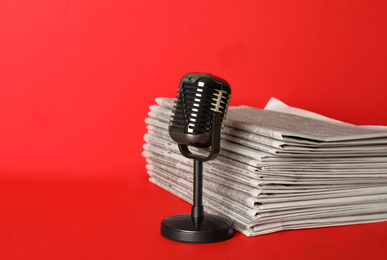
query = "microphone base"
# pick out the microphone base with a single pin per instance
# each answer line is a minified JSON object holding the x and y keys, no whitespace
{"x":210,"y":229}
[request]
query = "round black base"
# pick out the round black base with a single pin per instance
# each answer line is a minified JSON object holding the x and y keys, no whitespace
{"x":182,"y":228}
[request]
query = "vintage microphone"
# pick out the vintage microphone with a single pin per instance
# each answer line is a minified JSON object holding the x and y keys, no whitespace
{"x":197,"y":121}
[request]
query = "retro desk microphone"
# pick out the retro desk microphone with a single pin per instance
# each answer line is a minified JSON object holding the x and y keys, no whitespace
{"x":199,"y":112}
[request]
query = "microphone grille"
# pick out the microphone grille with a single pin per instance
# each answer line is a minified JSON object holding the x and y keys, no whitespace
{"x":199,"y":97}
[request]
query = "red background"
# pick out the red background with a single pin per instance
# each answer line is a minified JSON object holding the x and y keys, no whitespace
{"x":76,"y":81}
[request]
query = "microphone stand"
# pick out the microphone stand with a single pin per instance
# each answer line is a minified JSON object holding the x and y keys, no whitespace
{"x":199,"y":227}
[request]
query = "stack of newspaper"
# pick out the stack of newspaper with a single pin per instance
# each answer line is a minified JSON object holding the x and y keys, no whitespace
{"x":278,"y":171}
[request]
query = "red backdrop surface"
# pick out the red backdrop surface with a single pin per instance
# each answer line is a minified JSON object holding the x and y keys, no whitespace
{"x":76,"y":81}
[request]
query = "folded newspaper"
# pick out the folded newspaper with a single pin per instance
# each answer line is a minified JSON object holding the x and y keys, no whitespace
{"x":280,"y":168}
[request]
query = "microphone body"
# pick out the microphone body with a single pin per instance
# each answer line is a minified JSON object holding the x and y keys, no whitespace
{"x":199,"y":113}
{"x":198,"y":116}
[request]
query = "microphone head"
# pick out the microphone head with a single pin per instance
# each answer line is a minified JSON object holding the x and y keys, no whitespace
{"x":199,"y":98}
